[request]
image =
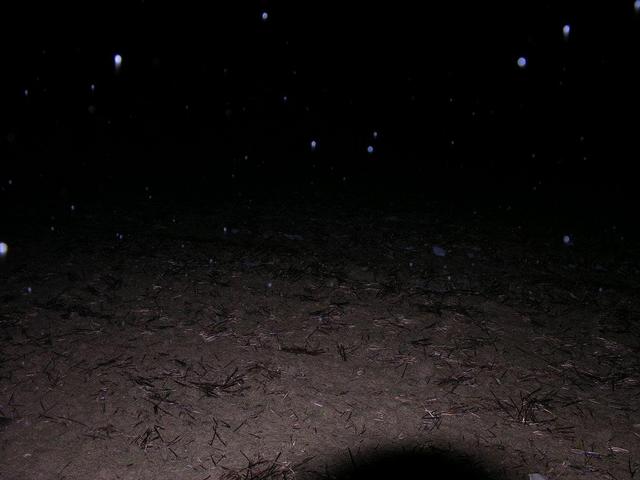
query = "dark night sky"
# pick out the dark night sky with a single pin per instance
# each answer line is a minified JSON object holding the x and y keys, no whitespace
{"x":200,"y":95}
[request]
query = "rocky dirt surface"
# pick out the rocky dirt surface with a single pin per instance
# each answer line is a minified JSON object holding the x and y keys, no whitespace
{"x":270,"y":339}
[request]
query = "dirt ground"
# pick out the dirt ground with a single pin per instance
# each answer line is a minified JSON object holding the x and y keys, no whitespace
{"x":259,"y":340}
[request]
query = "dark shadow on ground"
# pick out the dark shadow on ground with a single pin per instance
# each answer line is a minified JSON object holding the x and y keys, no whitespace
{"x":409,"y":463}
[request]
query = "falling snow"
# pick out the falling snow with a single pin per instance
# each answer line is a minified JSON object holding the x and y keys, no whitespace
{"x":438,"y":251}
{"x":208,"y":155}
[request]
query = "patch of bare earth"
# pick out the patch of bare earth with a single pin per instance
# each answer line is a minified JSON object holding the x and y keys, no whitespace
{"x":273,"y":342}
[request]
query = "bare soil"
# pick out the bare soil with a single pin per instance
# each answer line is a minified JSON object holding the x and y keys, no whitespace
{"x":261,"y":340}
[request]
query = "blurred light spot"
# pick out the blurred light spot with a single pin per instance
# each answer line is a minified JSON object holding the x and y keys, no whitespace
{"x":438,"y":251}
{"x":117,"y":61}
{"x":265,"y":16}
{"x":370,"y":149}
{"x":4,"y":248}
{"x":566,"y":30}
{"x":522,"y":62}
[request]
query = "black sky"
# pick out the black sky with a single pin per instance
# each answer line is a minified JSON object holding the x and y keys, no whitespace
{"x":201,"y":95}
